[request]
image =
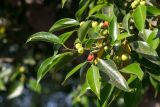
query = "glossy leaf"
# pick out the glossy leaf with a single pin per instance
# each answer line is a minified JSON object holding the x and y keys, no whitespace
{"x":156,"y":77}
{"x":93,"y":79}
{"x":44,"y":36}
{"x":133,"y":99}
{"x":63,"y":3}
{"x":110,"y":69}
{"x":134,"y":69}
{"x":102,"y":17}
{"x":113,"y":29}
{"x":153,"y":40}
{"x":153,"y":10}
{"x":47,"y":64}
{"x":63,"y":23}
{"x":16,"y":90}
{"x":32,"y":84}
{"x":125,"y":22}
{"x":84,"y":88}
{"x":64,"y":37}
{"x":139,"y":16}
{"x":146,"y":51}
{"x":83,"y":30}
{"x":80,"y":12}
{"x":2,"y":85}
{"x":96,"y":8}
{"x":73,"y":71}
{"x":123,"y":36}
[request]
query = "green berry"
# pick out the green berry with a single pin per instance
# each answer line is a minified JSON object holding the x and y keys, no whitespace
{"x":81,"y":23}
{"x":106,"y":48}
{"x":124,"y":57}
{"x":94,"y":24}
{"x":78,"y":45}
{"x":100,"y":25}
{"x":142,"y":2}
{"x":81,"y":50}
{"x":133,"y":5}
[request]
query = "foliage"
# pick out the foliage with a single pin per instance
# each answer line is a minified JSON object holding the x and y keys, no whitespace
{"x":121,"y":40}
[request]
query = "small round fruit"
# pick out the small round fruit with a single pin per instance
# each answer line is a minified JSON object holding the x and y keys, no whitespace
{"x":81,"y":23}
{"x":21,"y":69}
{"x":94,"y":24}
{"x":105,"y":32}
{"x":2,"y":29}
{"x":100,"y":25}
{"x":105,"y":24}
{"x":78,"y":45}
{"x":81,"y":50}
{"x":142,"y":2}
{"x":124,"y":57}
{"x":136,"y":2}
{"x":90,"y":57}
{"x":106,"y":48}
{"x":133,"y":5}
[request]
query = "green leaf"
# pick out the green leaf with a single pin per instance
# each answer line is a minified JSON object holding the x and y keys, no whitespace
{"x":63,"y":3}
{"x":132,"y":99}
{"x":102,"y":17}
{"x":155,"y":84}
{"x":125,"y":22}
{"x":47,"y":64}
{"x":110,"y":69}
{"x":83,"y":30}
{"x":113,"y":29}
{"x":152,"y":40}
{"x":63,"y":37}
{"x":123,"y":36}
{"x":153,"y":10}
{"x":63,"y":23}
{"x":93,"y":79}
{"x":15,"y":90}
{"x":134,"y":69}
{"x":80,"y":12}
{"x":2,"y":86}
{"x":32,"y":84}
{"x":146,"y":51}
{"x":44,"y":36}
{"x":139,"y":16}
{"x":154,"y":76}
{"x":84,"y":88}
{"x":73,"y":71}
{"x":96,"y":8}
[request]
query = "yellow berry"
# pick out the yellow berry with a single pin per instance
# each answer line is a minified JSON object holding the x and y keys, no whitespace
{"x":142,"y":2}
{"x":100,"y":25}
{"x":21,"y":69}
{"x":94,"y":24}
{"x":81,"y":50}
{"x":2,"y":29}
{"x":124,"y":57}
{"x":136,"y":2}
{"x":106,"y":48}
{"x":78,"y":45}
{"x":81,"y":23}
{"x":133,"y":5}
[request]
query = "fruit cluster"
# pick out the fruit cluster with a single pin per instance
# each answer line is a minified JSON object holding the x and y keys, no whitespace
{"x":80,"y":48}
{"x":135,"y":3}
{"x":102,"y":46}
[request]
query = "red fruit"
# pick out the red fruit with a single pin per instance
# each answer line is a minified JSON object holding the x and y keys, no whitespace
{"x":90,"y":57}
{"x":105,"y":24}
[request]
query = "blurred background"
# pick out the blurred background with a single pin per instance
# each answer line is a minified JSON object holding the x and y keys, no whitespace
{"x":19,"y":62}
